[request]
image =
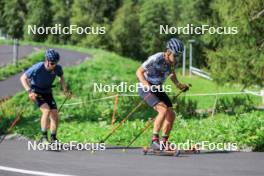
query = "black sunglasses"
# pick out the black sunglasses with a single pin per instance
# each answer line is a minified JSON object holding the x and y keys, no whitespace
{"x":53,"y":63}
{"x":177,"y":55}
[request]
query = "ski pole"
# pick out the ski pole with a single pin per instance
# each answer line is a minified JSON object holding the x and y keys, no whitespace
{"x":119,"y":125}
{"x":126,"y":118}
{"x":18,"y":117}
{"x":65,"y":99}
{"x":149,"y":123}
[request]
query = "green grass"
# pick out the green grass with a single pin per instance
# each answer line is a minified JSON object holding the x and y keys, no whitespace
{"x":245,"y":130}
{"x":203,"y":86}
{"x":89,"y":122}
{"x":10,"y":69}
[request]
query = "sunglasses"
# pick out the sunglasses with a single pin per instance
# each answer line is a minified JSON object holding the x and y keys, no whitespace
{"x":177,"y":55}
{"x":53,"y":63}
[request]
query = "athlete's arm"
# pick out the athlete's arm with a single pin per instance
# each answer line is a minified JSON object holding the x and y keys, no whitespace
{"x":63,"y":86}
{"x":175,"y":80}
{"x":141,"y":77}
{"x":62,"y":83}
{"x":25,"y":83}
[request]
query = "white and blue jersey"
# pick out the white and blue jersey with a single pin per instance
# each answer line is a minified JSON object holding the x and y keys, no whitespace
{"x":156,"y":69}
{"x":41,"y":79}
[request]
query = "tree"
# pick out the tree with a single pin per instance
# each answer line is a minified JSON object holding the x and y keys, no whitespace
{"x":61,"y":10}
{"x":125,"y":32}
{"x":13,"y":17}
{"x":238,"y":58}
{"x":39,"y":14}
{"x":152,"y":15}
{"x":87,"y":13}
{"x":2,"y":22}
{"x":197,"y":13}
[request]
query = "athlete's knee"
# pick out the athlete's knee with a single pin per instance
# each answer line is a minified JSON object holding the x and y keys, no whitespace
{"x":162,"y":109}
{"x":170,"y":116}
{"x":45,"y":111}
{"x":172,"y":113}
{"x":54,"y":113}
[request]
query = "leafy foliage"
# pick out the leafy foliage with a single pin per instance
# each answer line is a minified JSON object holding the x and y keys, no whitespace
{"x":125,"y":32}
{"x":150,"y":23}
{"x":237,"y":58}
{"x":62,"y":12}
{"x":14,"y":14}
{"x":39,"y":14}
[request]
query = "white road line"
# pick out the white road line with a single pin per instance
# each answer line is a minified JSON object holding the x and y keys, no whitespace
{"x":23,"y":171}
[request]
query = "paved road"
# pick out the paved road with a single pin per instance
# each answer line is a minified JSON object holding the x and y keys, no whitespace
{"x":14,"y":155}
{"x":6,"y":53}
{"x":12,"y":84}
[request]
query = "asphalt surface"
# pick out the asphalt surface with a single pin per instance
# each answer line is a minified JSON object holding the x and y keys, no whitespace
{"x":12,"y":84}
{"x":111,"y":162}
{"x":6,"y":53}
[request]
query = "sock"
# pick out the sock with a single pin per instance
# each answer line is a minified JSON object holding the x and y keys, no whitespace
{"x":155,"y":136}
{"x":165,"y":137}
{"x":53,"y":135}
{"x":44,"y":132}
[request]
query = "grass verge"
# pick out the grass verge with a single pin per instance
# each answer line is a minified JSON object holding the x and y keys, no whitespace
{"x":11,"y":69}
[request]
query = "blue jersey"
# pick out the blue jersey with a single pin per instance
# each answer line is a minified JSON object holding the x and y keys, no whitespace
{"x":156,"y":69}
{"x":41,"y":79}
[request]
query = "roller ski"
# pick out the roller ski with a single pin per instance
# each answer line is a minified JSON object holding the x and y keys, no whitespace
{"x":195,"y":149}
{"x":44,"y":140}
{"x":53,"y":145}
{"x":156,"y":149}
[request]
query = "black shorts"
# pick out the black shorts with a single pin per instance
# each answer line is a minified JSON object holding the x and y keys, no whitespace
{"x":46,"y":98}
{"x":153,"y":98}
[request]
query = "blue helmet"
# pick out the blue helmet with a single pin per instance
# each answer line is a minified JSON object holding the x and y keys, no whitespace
{"x":52,"y":55}
{"x":175,"y":45}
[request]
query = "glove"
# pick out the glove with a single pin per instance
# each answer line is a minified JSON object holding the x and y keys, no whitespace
{"x":183,"y":87}
{"x":67,"y":93}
